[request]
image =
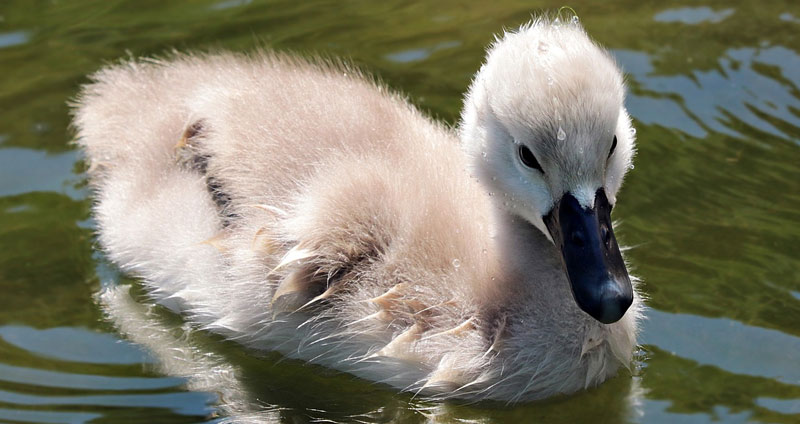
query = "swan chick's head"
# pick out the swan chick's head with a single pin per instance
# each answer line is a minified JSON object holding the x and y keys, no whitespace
{"x":548,"y":133}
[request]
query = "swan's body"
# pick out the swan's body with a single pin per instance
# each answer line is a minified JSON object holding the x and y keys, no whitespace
{"x":303,"y":208}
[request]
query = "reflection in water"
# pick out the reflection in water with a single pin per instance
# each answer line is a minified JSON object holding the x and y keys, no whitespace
{"x":273,"y":389}
{"x":204,"y":371}
{"x":671,"y":388}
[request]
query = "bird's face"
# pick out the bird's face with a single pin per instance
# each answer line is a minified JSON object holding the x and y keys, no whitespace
{"x":552,"y":141}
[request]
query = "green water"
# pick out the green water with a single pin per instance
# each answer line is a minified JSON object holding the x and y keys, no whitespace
{"x":712,"y":208}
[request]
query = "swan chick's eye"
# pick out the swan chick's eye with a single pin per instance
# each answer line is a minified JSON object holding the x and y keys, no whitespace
{"x":613,"y":146}
{"x":528,"y":159}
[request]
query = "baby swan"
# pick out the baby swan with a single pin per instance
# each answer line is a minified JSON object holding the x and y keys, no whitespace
{"x":300,"y":207}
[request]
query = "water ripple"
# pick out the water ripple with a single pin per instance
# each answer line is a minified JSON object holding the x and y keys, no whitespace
{"x":11,"y":39}
{"x":693,"y":15}
{"x":727,"y":344}
{"x":783,"y":406}
{"x":45,"y":378}
{"x":416,"y":55}
{"x":61,"y":417}
{"x":758,"y":86}
{"x":186,"y":403}
{"x":74,"y":345}
{"x":788,"y":17}
{"x":26,"y":170}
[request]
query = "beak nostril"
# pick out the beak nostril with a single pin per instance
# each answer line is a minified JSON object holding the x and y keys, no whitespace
{"x":606,"y":234}
{"x":578,"y":238}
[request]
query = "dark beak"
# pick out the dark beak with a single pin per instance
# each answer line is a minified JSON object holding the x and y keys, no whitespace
{"x":591,"y":256}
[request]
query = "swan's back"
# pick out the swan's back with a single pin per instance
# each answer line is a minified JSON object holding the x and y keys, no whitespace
{"x":296,"y":112}
{"x":209,"y":169}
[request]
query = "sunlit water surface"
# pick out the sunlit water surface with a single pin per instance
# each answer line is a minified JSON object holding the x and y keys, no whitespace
{"x":712,"y":209}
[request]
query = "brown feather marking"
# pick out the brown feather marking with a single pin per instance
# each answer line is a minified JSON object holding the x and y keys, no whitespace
{"x":263,"y":243}
{"x":457,"y":331}
{"x":402,"y":345}
{"x":216,"y":242}
{"x":389,"y":299}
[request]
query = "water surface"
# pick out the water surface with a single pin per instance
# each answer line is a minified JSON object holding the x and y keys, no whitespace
{"x":712,"y":208}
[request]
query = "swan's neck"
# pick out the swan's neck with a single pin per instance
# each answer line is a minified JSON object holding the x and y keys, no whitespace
{"x":522,"y":242}
{"x":531,"y":263}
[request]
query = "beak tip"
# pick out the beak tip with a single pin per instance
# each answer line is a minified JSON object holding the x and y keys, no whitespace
{"x":613,"y":303}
